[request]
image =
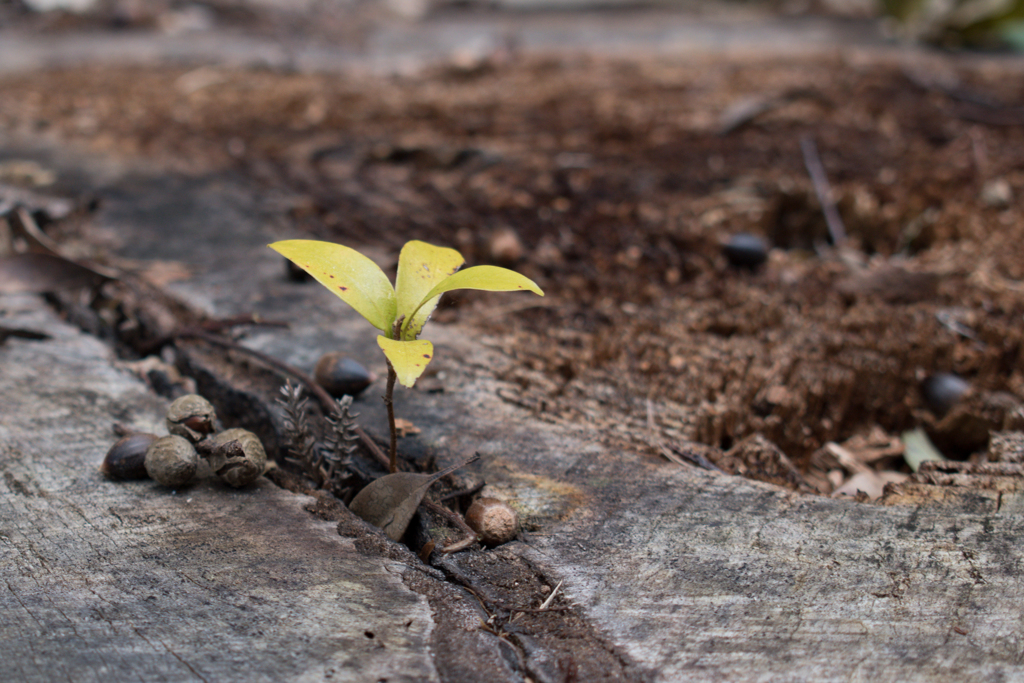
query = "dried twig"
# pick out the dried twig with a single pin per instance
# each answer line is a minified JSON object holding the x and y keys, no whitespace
{"x":323,"y":398}
{"x":836,"y":229}
{"x":463,"y":492}
{"x":21,"y":333}
{"x":680,"y":456}
{"x":551,"y":598}
{"x":452,"y":517}
{"x":671,"y":453}
{"x":208,"y":326}
{"x":462,"y":544}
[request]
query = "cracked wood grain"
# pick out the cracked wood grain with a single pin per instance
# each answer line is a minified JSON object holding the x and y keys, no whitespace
{"x":687,"y":575}
{"x":111,"y":581}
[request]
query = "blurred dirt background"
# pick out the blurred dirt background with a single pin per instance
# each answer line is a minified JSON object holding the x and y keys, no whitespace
{"x":614,"y":182}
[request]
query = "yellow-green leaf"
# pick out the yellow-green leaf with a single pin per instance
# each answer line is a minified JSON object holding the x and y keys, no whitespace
{"x":488,"y":278}
{"x":421,"y":266}
{"x":408,"y":358}
{"x":354,"y":278}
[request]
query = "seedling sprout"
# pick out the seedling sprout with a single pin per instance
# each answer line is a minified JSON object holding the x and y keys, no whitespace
{"x":425,"y":272}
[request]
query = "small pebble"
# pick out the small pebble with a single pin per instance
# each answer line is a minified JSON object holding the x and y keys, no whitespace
{"x":505,"y":247}
{"x":997,"y":193}
{"x":942,"y":391}
{"x":744,"y":250}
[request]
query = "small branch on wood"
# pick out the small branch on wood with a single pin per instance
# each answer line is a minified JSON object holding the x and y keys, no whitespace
{"x":466,"y":542}
{"x":527,"y":610}
{"x":219,"y":324}
{"x":21,"y":333}
{"x":464,"y":492}
{"x":551,"y":598}
{"x":680,"y":457}
{"x":327,"y":403}
{"x":836,"y":229}
{"x":215,"y":325}
{"x":455,"y":518}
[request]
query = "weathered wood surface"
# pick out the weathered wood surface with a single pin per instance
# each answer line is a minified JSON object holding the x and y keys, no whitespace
{"x":691,"y":576}
{"x":107,"y":581}
{"x":705,"y":577}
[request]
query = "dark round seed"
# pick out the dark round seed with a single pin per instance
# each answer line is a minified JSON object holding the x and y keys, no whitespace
{"x":126,"y":459}
{"x":341,"y":376}
{"x":296,"y":274}
{"x":942,"y":391}
{"x":744,"y":250}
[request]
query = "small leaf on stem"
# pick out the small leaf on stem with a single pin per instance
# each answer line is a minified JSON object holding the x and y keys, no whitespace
{"x":487,"y":278}
{"x":408,"y":358}
{"x":421,"y":266}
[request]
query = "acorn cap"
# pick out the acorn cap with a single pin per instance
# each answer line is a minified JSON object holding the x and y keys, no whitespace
{"x":237,"y":456}
{"x":191,"y":417}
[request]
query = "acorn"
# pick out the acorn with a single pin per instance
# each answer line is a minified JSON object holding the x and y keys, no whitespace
{"x":942,"y":391}
{"x":126,"y":459}
{"x":191,"y":417}
{"x":744,"y":250}
{"x":341,"y":376}
{"x":172,"y":461}
{"x":236,"y":456}
{"x":495,"y":520}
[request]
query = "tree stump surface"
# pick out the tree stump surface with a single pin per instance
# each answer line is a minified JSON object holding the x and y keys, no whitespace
{"x":689,"y":575}
{"x":130,"y":581}
{"x":677,"y":573}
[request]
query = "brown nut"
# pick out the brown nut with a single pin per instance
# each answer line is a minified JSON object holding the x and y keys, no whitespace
{"x":126,"y":459}
{"x":341,"y":376}
{"x":191,"y":417}
{"x":505,"y":246}
{"x":172,"y":461}
{"x":237,"y":456}
{"x":495,"y":520}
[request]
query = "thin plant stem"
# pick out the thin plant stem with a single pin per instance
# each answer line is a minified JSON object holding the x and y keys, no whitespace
{"x":389,"y":393}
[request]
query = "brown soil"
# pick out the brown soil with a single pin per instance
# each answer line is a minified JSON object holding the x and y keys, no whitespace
{"x":613,"y":185}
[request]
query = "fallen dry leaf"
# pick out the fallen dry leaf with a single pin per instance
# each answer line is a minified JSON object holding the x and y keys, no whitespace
{"x":37,"y":273}
{"x":405,"y":427}
{"x":390,"y":502}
